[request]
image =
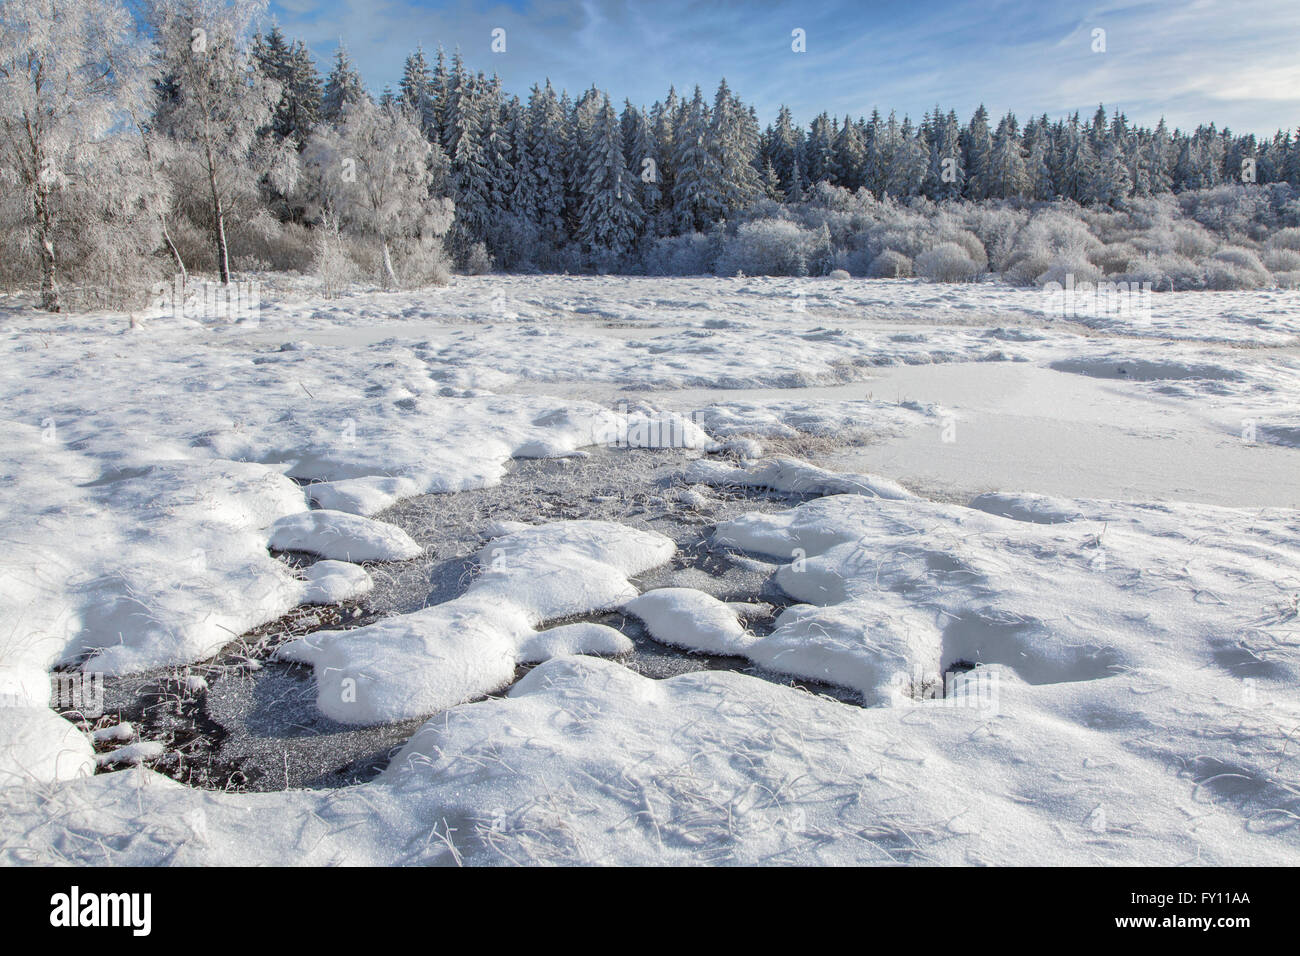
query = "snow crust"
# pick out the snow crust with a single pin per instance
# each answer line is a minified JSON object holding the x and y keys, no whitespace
{"x":1145,"y":652}
{"x":415,"y":664}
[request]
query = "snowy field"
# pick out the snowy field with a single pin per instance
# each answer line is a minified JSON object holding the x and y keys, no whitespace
{"x":645,"y":570}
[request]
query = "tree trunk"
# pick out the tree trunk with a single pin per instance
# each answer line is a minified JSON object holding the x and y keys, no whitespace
{"x":389,"y":275}
{"x":219,"y":223}
{"x":50,"y":300}
{"x":171,"y":246}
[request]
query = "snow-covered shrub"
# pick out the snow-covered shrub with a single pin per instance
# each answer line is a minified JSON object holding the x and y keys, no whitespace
{"x":690,"y":254}
{"x":1285,"y":239}
{"x":1235,"y":268}
{"x":1115,"y":257}
{"x":1190,"y":239}
{"x":946,"y":262}
{"x":890,"y":264}
{"x":771,"y":247}
{"x":332,"y":266}
{"x":279,"y":246}
{"x":1067,"y":267}
{"x":996,"y":228}
{"x":1054,"y":239}
{"x":1281,"y":260}
{"x":968,"y":241}
{"x":476,"y":261}
{"x":1166,"y":272}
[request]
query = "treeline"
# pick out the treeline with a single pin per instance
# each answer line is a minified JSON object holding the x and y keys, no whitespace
{"x":198,"y":143}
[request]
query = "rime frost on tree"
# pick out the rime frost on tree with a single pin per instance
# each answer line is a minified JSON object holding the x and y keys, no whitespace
{"x":70,"y":70}
{"x":374,"y":172}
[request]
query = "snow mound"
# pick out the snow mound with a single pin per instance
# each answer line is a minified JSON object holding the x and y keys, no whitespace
{"x":685,"y":617}
{"x":791,"y":475}
{"x":584,"y":637}
{"x":37,"y":746}
{"x":1060,"y":591}
{"x":362,"y":496}
{"x":343,"y":536}
{"x":333,"y":582}
{"x":415,"y":664}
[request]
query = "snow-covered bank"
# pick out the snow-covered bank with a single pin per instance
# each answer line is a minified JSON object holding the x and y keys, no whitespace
{"x":1145,"y":649}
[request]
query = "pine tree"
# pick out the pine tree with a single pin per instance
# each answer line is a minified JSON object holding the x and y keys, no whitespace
{"x":819,"y":152}
{"x":415,"y":92}
{"x":342,"y":86}
{"x":609,"y":214}
{"x":1005,"y":175}
{"x":977,"y":146}
{"x":644,"y":161}
{"x":548,"y":151}
{"x":697,"y":197}
{"x":908,"y":162}
{"x":733,"y":143}
{"x":850,"y":155}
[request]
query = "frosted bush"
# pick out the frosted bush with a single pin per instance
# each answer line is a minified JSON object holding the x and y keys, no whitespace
{"x":1190,"y":239}
{"x":332,"y":266}
{"x":1066,"y":267}
{"x":1166,"y":272}
{"x":477,"y":261}
{"x":1285,"y":239}
{"x":946,"y":262}
{"x":969,"y":243}
{"x":1281,"y":260}
{"x":770,"y":247}
{"x":890,"y":264}
{"x":1115,"y":257}
{"x":686,"y":255}
{"x":1236,"y":268}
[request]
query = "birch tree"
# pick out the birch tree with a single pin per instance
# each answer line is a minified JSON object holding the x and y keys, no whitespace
{"x":375,"y":171}
{"x":70,"y":71}
{"x":214,"y":99}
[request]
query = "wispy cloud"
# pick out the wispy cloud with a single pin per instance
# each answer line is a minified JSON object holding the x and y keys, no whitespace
{"x":1233,"y":63}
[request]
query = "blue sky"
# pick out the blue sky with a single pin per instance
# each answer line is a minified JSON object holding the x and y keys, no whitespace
{"x":1234,"y":63}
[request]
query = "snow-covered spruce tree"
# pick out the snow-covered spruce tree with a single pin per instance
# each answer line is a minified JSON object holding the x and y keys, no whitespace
{"x":697,"y":193}
{"x":850,"y":155}
{"x":471,"y":175}
{"x":214,"y":100}
{"x":548,"y":153}
{"x":978,"y":144}
{"x":643,"y":160}
{"x":946,"y":174}
{"x":342,"y":87}
{"x":290,"y":65}
{"x":819,"y":152}
{"x":663,"y":126}
{"x":610,"y":215}
{"x":734,"y":142}
{"x":375,"y":171}
{"x":908,"y":163}
{"x":70,"y":70}
{"x":784,"y":146}
{"x":415,"y":92}
{"x":1004,"y":172}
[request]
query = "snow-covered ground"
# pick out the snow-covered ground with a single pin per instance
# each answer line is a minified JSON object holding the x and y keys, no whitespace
{"x":1051,"y":569}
